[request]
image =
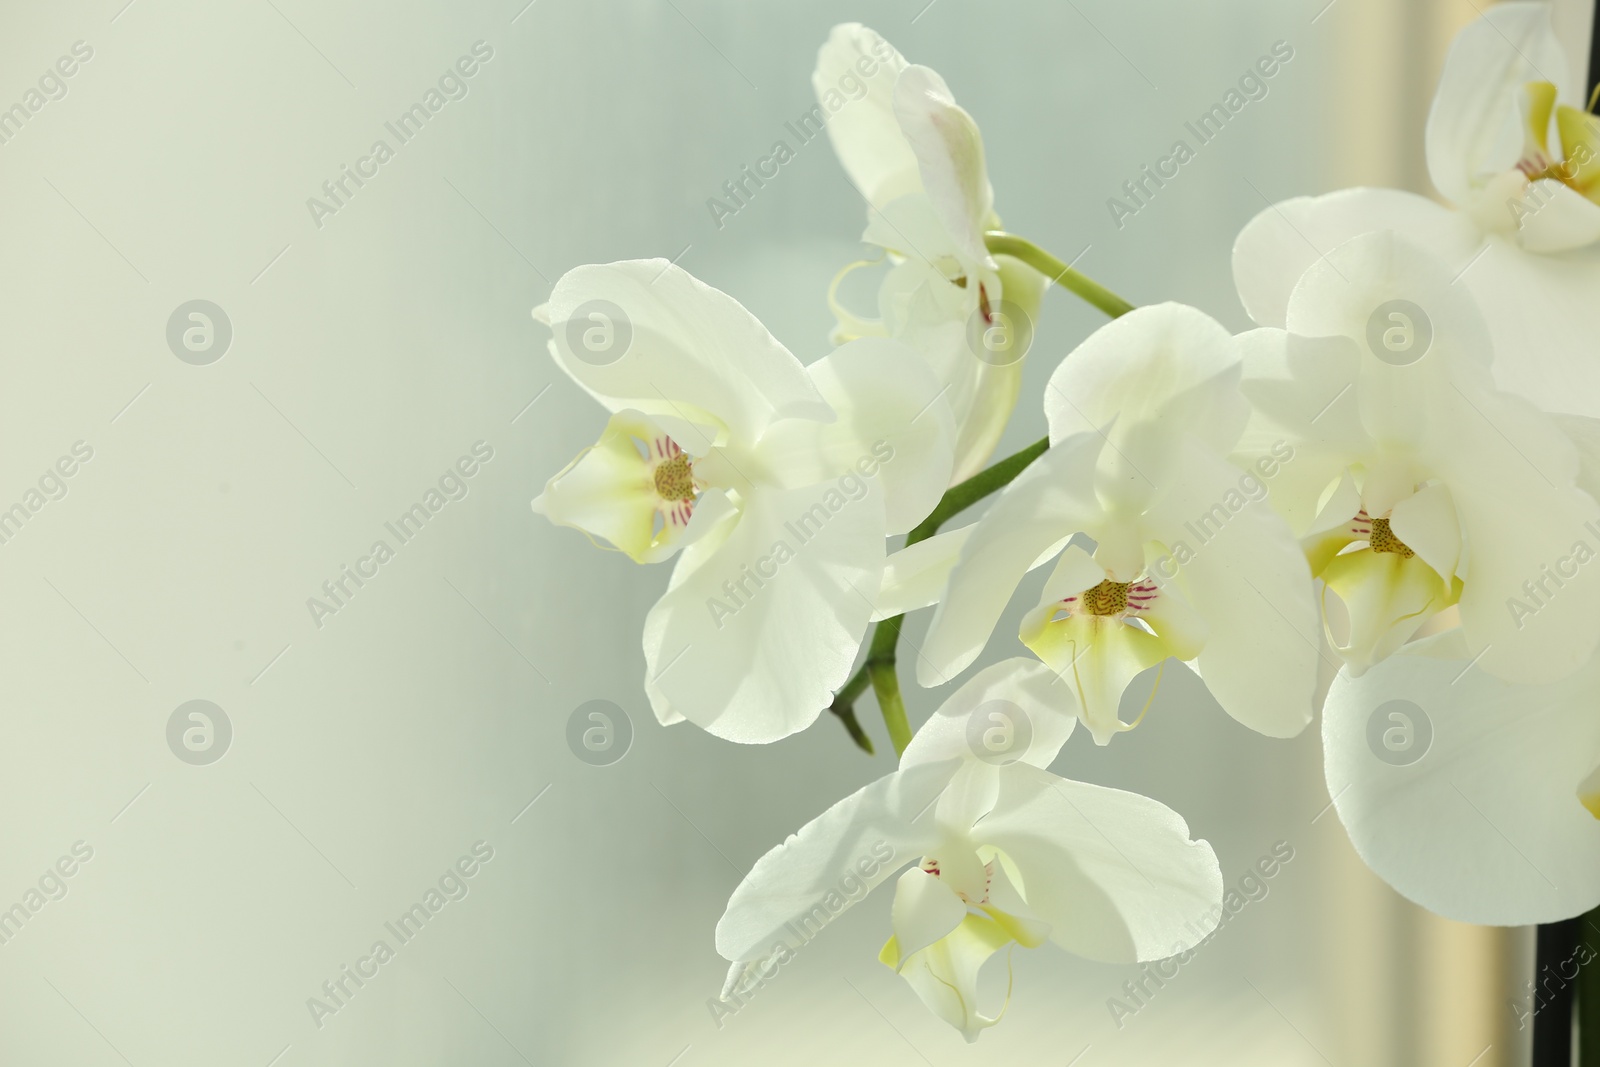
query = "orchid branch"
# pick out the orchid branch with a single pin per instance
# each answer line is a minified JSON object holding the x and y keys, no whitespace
{"x":880,"y":667}
{"x":1091,"y":291}
{"x":960,"y":497}
{"x":844,"y":706}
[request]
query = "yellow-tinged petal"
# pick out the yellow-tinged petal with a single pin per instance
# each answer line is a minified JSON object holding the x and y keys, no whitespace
{"x":1580,"y":142}
{"x":609,"y":491}
{"x":1388,"y":595}
{"x":995,"y":385}
{"x":1538,"y":101}
{"x":850,"y":325}
{"x":945,"y":974}
{"x":1321,"y":549}
{"x":925,"y":910}
{"x":1097,"y":656}
{"x":1589,"y":792}
{"x":1029,"y":933}
{"x":1472,"y":126}
{"x":1007,"y":907}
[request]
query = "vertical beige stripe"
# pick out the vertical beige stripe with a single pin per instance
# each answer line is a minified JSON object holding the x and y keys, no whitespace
{"x":1407,"y":987}
{"x":1391,"y":54}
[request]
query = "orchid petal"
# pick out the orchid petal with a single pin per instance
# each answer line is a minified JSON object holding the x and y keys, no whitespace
{"x":680,"y":339}
{"x":1114,"y":874}
{"x":1543,"y":320}
{"x":1428,"y":524}
{"x":925,"y":910}
{"x":1557,"y":218}
{"x":1580,"y":145}
{"x":1246,"y":577}
{"x":994,"y":385}
{"x":1096,"y":657}
{"x":1155,"y":373}
{"x":1024,"y":702}
{"x":795,"y":889}
{"x":753,"y":642}
{"x":915,"y":576}
{"x":607,"y":491}
{"x":1513,"y":487}
{"x":945,"y":974}
{"x":949,"y":151}
{"x":1305,"y":425}
{"x":1007,"y":907}
{"x":893,"y":427}
{"x":911,"y":226}
{"x":1048,"y":502}
{"x":1484,"y":824}
{"x":1388,"y":597}
{"x":1282,"y":242}
{"x":1360,"y":292}
{"x":864,"y":131}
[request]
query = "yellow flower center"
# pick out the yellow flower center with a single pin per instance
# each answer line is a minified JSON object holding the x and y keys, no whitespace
{"x":674,"y":479}
{"x":1384,"y":540}
{"x":1579,"y":165}
{"x":1107,"y":598}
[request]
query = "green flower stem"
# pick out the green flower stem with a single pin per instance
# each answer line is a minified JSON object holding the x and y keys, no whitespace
{"x":960,"y":497}
{"x":844,"y":706}
{"x":879,"y":668}
{"x":886,"y":681}
{"x":1008,"y":244}
{"x":852,"y":689}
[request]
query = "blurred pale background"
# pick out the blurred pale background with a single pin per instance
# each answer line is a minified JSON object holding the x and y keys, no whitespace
{"x":370,"y":352}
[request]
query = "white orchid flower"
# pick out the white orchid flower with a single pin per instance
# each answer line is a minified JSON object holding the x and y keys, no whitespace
{"x":1510,"y":147}
{"x":1189,"y":561}
{"x":1417,"y":485}
{"x":1002,"y":852}
{"x":1474,"y":797}
{"x":914,"y":154}
{"x":775,"y":483}
{"x":917,"y":158}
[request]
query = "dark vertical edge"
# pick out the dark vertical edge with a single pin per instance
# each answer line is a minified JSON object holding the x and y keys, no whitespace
{"x":1589,"y":990}
{"x":1555,"y":967}
{"x":1594,"y":56}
